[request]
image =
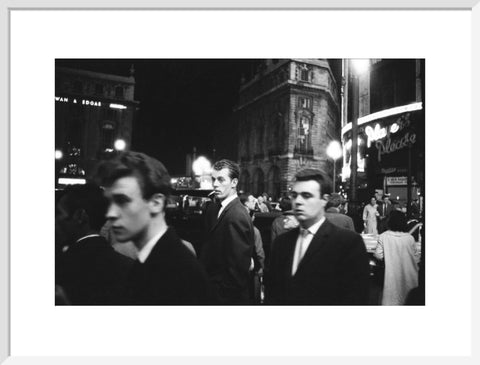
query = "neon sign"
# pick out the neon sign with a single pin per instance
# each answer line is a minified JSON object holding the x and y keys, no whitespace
{"x":375,"y":133}
{"x":64,"y":99}
{"x":389,"y":146}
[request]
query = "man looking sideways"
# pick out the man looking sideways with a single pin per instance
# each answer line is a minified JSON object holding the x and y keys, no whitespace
{"x":230,"y":239}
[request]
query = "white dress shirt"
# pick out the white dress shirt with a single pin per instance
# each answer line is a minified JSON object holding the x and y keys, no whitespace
{"x":303,"y":242}
{"x":145,"y":251}
{"x":225,"y":202}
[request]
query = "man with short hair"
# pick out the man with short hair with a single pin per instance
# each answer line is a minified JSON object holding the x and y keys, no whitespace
{"x":229,"y":245}
{"x":318,"y":263}
{"x":137,"y":187}
{"x":332,"y":213}
{"x":88,"y":271}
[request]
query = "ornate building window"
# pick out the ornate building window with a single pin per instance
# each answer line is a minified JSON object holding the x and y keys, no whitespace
{"x":304,"y":134}
{"x":303,"y":73}
{"x":305,"y":102}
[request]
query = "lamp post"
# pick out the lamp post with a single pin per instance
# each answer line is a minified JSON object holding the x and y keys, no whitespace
{"x":334,"y":151}
{"x":358,"y":67}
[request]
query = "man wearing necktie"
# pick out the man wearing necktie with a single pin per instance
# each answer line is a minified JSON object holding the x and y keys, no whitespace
{"x":229,"y":245}
{"x":317,"y":263}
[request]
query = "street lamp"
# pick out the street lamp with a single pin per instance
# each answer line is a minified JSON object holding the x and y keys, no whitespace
{"x":120,"y":144}
{"x":334,"y":151}
{"x":202,"y":168}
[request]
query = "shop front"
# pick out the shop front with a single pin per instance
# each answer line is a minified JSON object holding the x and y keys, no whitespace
{"x":391,"y":156}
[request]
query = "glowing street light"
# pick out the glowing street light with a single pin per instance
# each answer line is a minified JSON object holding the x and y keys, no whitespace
{"x":334,"y":151}
{"x":120,"y":144}
{"x":58,"y":154}
{"x":361,"y":65}
{"x":202,"y":167}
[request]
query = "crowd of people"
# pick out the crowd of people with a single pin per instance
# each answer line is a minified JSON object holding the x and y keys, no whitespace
{"x":315,"y":254}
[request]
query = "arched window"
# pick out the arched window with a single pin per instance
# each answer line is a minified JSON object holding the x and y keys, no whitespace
{"x":273,"y":181}
{"x":258,"y":182}
{"x":245,"y":181}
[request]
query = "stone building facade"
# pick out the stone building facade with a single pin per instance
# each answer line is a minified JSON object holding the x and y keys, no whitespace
{"x":285,"y":118}
{"x":92,"y":111}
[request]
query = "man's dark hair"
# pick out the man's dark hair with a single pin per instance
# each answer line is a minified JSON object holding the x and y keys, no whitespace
{"x":397,"y":221}
{"x":285,"y":204}
{"x":89,"y":198}
{"x":151,"y":174}
{"x":334,"y":200}
{"x":315,"y":175}
{"x":233,"y":168}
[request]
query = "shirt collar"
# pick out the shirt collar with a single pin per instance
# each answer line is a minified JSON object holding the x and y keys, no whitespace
{"x":143,"y":254}
{"x":226,"y":201}
{"x":315,"y":227}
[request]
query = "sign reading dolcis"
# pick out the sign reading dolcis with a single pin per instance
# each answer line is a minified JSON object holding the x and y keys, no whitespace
{"x":390,"y":145}
{"x":63,"y":99}
{"x":396,"y":180}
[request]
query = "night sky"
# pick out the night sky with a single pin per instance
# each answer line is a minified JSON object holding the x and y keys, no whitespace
{"x":183,"y":103}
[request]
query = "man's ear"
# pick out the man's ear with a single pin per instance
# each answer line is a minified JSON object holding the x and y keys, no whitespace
{"x":157,"y":203}
{"x":234,"y":182}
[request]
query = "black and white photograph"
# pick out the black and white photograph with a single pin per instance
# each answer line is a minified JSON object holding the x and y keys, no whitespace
{"x":224,"y":184}
{"x":240,"y":181}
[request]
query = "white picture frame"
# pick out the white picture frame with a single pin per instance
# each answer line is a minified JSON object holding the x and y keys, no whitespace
{"x":469,"y":198}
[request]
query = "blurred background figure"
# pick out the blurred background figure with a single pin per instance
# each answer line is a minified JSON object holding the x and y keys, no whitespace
{"x":89,"y":270}
{"x":262,"y":207}
{"x":285,"y":222}
{"x":370,"y":215}
{"x":251,"y":203}
{"x":401,"y":256}
{"x":332,"y":213}
{"x":267,"y":200}
{"x":384,"y":208}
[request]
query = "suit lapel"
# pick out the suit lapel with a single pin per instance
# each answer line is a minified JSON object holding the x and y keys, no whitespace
{"x":318,"y":241}
{"x":229,"y":205}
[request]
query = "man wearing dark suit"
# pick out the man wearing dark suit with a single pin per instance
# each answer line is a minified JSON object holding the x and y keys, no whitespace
{"x":166,"y":272}
{"x":88,"y":270}
{"x":318,"y":263}
{"x":384,"y":209}
{"x":228,"y":249}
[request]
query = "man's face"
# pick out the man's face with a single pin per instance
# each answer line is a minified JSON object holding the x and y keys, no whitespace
{"x":260,"y":200}
{"x":307,"y":204}
{"x":222,"y":184}
{"x":128,"y":212}
{"x":386,"y":200}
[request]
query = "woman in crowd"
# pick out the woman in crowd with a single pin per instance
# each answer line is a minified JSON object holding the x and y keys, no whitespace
{"x":401,"y":256}
{"x":370,"y":215}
